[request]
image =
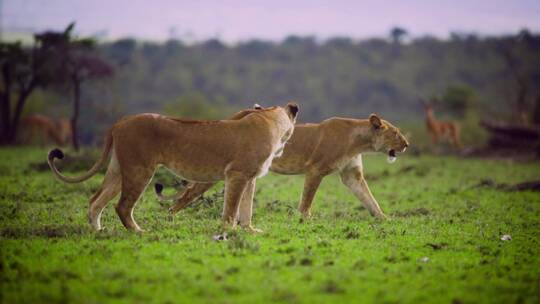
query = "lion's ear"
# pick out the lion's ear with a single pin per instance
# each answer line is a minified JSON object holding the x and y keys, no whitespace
{"x":292,"y":108}
{"x":257,"y":106}
{"x":375,"y":121}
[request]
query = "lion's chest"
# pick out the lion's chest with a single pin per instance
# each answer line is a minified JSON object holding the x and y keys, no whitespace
{"x":265,"y":166}
{"x":276,"y":152}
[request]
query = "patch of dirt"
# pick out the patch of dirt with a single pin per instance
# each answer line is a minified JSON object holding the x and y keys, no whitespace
{"x":284,"y":296}
{"x":231,"y":289}
{"x":437,"y":246}
{"x":393,"y":258}
{"x":329,"y":263}
{"x":524,"y":186}
{"x":286,"y":250}
{"x":306,"y":262}
{"x":291,"y":261}
{"x":232,"y":270}
{"x":332,"y":287}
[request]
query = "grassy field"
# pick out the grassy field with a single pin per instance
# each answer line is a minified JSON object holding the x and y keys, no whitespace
{"x":442,"y":245}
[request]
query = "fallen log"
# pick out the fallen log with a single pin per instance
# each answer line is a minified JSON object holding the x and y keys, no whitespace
{"x":516,"y":132}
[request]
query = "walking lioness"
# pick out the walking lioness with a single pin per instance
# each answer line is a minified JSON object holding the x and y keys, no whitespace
{"x":317,"y":150}
{"x":237,"y":151}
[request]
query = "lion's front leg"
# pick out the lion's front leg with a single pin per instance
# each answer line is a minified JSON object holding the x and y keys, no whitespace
{"x":246,"y":208}
{"x":235,"y":186}
{"x":353,"y":178}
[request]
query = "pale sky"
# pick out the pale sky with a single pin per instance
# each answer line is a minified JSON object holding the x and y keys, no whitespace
{"x":235,"y":20}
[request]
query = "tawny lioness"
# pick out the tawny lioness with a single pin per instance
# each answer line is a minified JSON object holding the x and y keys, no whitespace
{"x":317,"y":150}
{"x":237,"y":151}
{"x":42,"y":129}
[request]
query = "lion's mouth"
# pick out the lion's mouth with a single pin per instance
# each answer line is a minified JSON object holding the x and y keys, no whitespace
{"x":392,"y":156}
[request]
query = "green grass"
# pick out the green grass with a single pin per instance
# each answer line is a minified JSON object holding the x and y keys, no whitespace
{"x":442,"y":244}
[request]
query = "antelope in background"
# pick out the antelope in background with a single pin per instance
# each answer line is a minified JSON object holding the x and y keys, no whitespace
{"x":441,"y":130}
{"x":41,"y":129}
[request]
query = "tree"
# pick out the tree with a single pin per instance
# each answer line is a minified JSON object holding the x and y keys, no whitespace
{"x":121,"y":51}
{"x":513,"y":64}
{"x":75,"y":62}
{"x":397,"y":34}
{"x":536,"y":111}
{"x":23,"y":70}
{"x":84,"y":67}
{"x":12,"y":58}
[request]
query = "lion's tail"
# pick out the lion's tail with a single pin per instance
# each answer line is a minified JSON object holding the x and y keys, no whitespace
{"x":57,"y":153}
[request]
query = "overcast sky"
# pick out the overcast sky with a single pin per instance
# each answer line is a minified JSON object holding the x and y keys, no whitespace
{"x":234,"y":20}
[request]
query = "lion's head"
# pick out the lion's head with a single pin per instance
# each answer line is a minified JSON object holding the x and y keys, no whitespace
{"x":387,"y":138}
{"x":292,"y":112}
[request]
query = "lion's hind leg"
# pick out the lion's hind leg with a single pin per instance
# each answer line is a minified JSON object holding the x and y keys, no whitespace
{"x":311,"y":184}
{"x":133,"y":184}
{"x":192,"y":192}
{"x":109,"y":189}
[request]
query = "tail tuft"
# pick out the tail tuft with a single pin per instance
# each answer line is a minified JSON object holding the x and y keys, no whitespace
{"x":56,"y":153}
{"x":158,"y":187}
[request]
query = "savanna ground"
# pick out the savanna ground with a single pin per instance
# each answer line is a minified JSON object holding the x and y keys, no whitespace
{"x":442,"y":245}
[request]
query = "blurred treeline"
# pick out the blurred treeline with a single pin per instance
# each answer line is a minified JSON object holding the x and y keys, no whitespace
{"x":335,"y":77}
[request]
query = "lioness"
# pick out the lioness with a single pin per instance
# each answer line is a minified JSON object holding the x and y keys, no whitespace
{"x":317,"y":150}
{"x":43,"y":130}
{"x":237,"y":151}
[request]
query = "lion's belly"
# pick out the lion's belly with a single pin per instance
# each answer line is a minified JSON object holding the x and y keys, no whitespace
{"x":197,"y":174}
{"x":288,"y":165}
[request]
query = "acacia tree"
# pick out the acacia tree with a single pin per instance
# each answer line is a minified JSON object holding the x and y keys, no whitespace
{"x":54,"y":58}
{"x":84,"y":67}
{"x":22,"y":72}
{"x":75,"y":62}
{"x":397,"y":34}
{"x":515,"y":65}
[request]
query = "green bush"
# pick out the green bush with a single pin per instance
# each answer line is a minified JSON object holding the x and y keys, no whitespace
{"x":458,"y":99}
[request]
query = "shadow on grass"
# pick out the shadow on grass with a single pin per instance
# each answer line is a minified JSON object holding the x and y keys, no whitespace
{"x":63,"y":231}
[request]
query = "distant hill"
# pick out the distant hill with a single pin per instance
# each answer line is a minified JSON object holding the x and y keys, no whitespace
{"x":337,"y":77}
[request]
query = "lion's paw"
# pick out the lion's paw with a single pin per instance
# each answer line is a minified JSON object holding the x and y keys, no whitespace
{"x":306,"y":214}
{"x":252,"y":229}
{"x":382,"y":217}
